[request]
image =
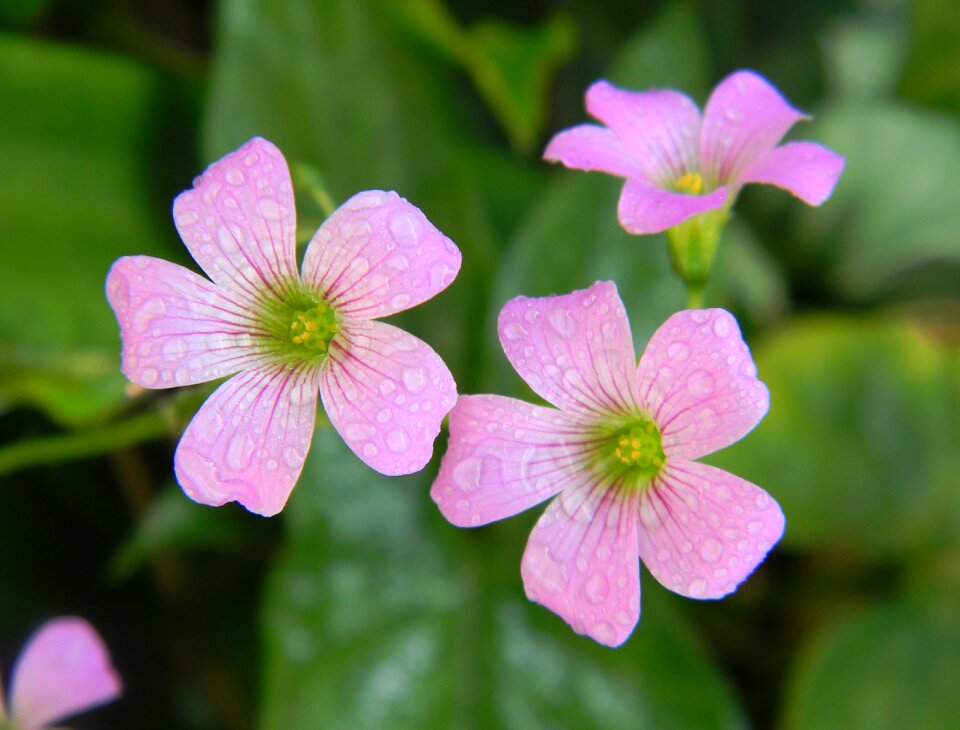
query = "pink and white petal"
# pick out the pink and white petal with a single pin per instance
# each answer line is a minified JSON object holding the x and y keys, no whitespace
{"x":239,"y":221}
{"x":248,"y":441}
{"x":704,"y":530}
{"x":386,"y":392}
{"x":745,"y":117}
{"x":698,"y":380}
{"x":593,"y":148}
{"x":377,"y":255}
{"x":177,"y":328}
{"x":64,"y":669}
{"x":644,"y":209}
{"x":575,"y":350}
{"x":504,"y":456}
{"x":582,"y":563}
{"x":806,"y":169}
{"x":660,"y":127}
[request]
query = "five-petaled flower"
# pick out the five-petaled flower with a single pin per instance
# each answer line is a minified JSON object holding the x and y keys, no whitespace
{"x":618,"y":453}
{"x":678,"y":165}
{"x":64,"y":669}
{"x":287,"y":335}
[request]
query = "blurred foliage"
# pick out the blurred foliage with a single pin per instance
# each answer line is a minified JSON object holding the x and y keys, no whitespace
{"x":372,"y":610}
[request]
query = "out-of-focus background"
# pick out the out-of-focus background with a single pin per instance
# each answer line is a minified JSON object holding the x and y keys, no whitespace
{"x":360,"y":607}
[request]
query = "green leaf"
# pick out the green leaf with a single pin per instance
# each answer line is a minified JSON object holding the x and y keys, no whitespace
{"x":510,"y":66}
{"x":897,"y":205}
{"x":669,"y":52}
{"x":932,"y":73}
{"x":892,"y":667}
{"x":381,"y":614}
{"x":173,"y":522}
{"x":859,"y":446}
{"x":79,"y":190}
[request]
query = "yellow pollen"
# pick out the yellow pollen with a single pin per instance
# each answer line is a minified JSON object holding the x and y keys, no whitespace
{"x":689,"y":182}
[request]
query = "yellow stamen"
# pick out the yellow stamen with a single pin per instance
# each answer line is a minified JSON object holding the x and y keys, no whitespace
{"x":689,"y":182}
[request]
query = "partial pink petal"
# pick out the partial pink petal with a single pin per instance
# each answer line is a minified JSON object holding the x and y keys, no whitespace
{"x":247,"y":443}
{"x":574,"y":350}
{"x":386,"y":392}
{"x":581,"y":561}
{"x":644,"y":209}
{"x":378,"y":254}
{"x":745,"y":117}
{"x":703,"y":530}
{"x":594,"y":148}
{"x":504,"y":456}
{"x":698,"y":381}
{"x":660,"y":127}
{"x":177,"y":328}
{"x":239,"y":221}
{"x":806,"y":169}
{"x":64,"y":669}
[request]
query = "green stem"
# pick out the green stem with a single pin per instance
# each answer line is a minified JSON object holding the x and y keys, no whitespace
{"x":695,"y":297}
{"x":69,"y":446}
{"x":313,"y":182}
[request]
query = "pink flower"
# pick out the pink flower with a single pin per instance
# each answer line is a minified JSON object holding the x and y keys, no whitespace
{"x":619,"y":453}
{"x":287,"y":335}
{"x":64,"y":669}
{"x":678,"y":164}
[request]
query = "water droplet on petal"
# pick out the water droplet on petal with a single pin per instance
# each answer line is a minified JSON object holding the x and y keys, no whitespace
{"x":596,"y":589}
{"x":414,"y":380}
{"x":697,"y":588}
{"x":721,"y":326}
{"x":514,"y":331}
{"x":700,"y":384}
{"x":711,"y":549}
{"x":397,"y":441}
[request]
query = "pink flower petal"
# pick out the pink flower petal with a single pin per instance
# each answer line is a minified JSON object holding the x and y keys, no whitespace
{"x":581,"y":561}
{"x":806,"y":169}
{"x":594,"y":148}
{"x":644,"y":209}
{"x":247,"y":443}
{"x":177,"y":328}
{"x":660,"y":127}
{"x":699,"y":382}
{"x":239,"y":221}
{"x":504,"y":456}
{"x":575,"y":350}
{"x":386,"y":392}
{"x":378,"y":254}
{"x":745,"y":117}
{"x":64,"y":669}
{"x":703,"y":530}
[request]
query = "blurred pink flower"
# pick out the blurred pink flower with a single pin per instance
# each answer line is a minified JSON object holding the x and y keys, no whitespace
{"x":678,"y":164}
{"x":64,"y":669}
{"x":288,"y":335}
{"x":619,"y":452}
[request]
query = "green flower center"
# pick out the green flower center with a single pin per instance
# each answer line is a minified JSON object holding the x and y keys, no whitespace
{"x":633,"y":450}
{"x":299,"y":328}
{"x":312,"y":329}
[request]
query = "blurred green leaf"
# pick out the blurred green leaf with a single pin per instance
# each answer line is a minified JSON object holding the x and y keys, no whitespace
{"x":365,"y":106}
{"x":859,"y":446}
{"x":173,"y":522}
{"x":510,"y":66}
{"x":897,"y":205}
{"x":380,"y":614}
{"x":23,"y":12}
{"x":932,"y":74}
{"x":79,"y":189}
{"x":864,"y":57}
{"x":669,"y":52}
{"x":890,"y":667}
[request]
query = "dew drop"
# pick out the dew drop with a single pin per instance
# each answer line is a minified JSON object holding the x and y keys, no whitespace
{"x":404,"y":229}
{"x":149,"y":377}
{"x":269,"y":209}
{"x":721,"y":326}
{"x":596,"y":589}
{"x":679,"y":351}
{"x":562,"y":322}
{"x":711,"y":549}
{"x":414,"y":380}
{"x":697,"y":588}
{"x":514,"y":331}
{"x":397,"y":441}
{"x":700,"y":384}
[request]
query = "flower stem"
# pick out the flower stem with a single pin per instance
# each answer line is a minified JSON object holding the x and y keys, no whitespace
{"x":65,"y":447}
